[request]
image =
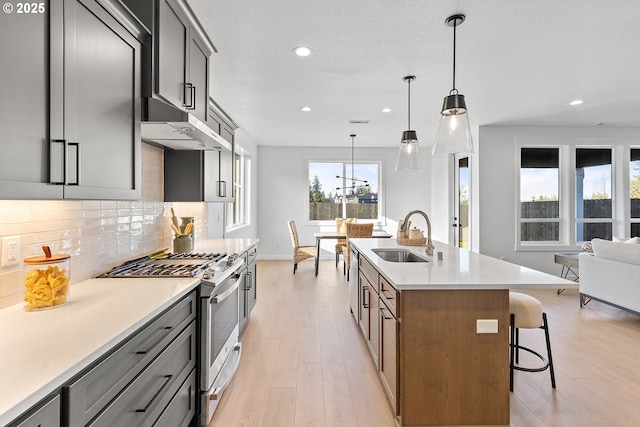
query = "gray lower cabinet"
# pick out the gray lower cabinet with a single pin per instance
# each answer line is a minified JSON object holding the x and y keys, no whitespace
{"x":45,"y":415}
{"x":249,"y":293}
{"x":181,"y":409}
{"x":72,"y":107}
{"x":134,"y":384}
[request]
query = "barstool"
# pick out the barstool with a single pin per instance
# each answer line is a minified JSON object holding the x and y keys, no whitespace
{"x":526,"y":312}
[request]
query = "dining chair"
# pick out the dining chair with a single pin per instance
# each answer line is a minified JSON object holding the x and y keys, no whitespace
{"x":355,"y":231}
{"x":341,"y":245}
{"x":300,"y":253}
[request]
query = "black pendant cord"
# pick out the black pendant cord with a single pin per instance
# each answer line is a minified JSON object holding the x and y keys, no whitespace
{"x":454,"y":57}
{"x":409,"y":106}
{"x":353,"y":180}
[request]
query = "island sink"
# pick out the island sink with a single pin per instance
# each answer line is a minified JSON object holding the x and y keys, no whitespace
{"x":398,"y":255}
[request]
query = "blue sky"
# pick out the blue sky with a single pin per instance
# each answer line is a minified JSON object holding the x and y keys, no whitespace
{"x":327,"y":172}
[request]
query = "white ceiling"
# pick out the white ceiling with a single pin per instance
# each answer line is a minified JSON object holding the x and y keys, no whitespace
{"x":519,"y":62}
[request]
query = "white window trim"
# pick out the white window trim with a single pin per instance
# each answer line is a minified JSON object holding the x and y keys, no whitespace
{"x":380,"y":221}
{"x":620,"y":215}
{"x":244,"y":204}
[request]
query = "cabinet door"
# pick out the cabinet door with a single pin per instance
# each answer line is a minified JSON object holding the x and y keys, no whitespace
{"x":48,"y":415}
{"x":198,"y":76}
{"x":389,"y":354}
{"x":365,"y":302}
{"x":243,"y":312}
{"x":171,"y":53}
{"x":253,"y":288}
{"x":24,"y":98}
{"x":102,"y":101}
{"x":374,"y":328}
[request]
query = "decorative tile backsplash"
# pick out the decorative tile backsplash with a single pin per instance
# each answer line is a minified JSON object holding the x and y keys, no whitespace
{"x":97,"y":234}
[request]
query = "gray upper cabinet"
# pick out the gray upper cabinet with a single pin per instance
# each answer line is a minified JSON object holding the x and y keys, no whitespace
{"x":24,"y":94}
{"x":73,"y":113}
{"x":194,"y":176}
{"x":181,"y":66}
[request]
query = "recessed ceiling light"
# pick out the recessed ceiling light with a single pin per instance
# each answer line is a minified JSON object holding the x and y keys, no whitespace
{"x":302,"y":51}
{"x":386,"y":110}
{"x":576,"y":102}
{"x":306,"y":109}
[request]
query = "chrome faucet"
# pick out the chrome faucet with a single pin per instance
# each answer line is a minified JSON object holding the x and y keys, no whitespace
{"x":403,"y":228}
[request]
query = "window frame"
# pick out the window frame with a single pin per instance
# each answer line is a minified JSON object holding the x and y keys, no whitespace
{"x":240,"y":192}
{"x":620,"y":181}
{"x":380,"y":220}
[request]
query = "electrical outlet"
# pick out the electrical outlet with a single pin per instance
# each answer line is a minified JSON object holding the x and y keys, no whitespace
{"x":11,"y":250}
{"x":487,"y":326}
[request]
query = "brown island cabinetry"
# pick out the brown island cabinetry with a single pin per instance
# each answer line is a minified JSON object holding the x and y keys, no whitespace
{"x":434,"y":367}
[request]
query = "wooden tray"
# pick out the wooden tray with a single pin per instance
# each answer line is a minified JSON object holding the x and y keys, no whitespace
{"x":411,"y":242}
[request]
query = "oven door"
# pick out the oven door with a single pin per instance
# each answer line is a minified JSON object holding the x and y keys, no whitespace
{"x":220,"y":347}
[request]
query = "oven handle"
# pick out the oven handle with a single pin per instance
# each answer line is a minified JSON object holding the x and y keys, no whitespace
{"x":217,"y":391}
{"x":219,"y":298}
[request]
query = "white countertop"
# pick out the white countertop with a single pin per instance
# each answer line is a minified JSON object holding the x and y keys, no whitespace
{"x":40,"y":351}
{"x":459,"y":269}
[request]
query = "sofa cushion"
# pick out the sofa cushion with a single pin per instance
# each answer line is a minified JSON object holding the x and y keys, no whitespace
{"x":634,"y":240}
{"x":616,"y":251}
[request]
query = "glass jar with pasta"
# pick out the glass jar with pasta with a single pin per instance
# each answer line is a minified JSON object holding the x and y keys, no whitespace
{"x":46,"y":280}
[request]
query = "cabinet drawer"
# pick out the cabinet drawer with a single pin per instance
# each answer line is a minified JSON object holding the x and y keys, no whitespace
{"x":370,"y":272}
{"x":142,"y":402}
{"x":181,"y":409}
{"x":87,"y":396}
{"x":389,"y":295}
{"x":252,"y":255}
{"x":48,"y":415}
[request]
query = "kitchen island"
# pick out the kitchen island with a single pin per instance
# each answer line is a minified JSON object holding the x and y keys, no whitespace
{"x":437,"y":363}
{"x":42,"y":351}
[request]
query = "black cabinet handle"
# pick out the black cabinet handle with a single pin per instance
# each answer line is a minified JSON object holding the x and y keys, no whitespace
{"x":52,"y":167}
{"x":188,"y":105}
{"x":162,"y":332}
{"x":382,"y":310}
{"x":193,"y":98}
{"x":364,"y":297}
{"x":167,"y":380}
{"x":77,"y":170}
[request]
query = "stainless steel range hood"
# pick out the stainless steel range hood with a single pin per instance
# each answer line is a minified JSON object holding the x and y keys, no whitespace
{"x":171,"y":127}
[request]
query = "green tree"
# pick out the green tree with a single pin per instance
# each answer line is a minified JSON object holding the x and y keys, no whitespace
{"x":315,"y":190}
{"x":634,"y":185}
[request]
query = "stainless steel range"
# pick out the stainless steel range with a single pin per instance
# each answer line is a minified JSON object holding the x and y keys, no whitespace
{"x":220,"y":278}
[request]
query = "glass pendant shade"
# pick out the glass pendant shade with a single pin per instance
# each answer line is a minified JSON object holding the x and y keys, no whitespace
{"x":454,"y":129}
{"x":409,"y":154}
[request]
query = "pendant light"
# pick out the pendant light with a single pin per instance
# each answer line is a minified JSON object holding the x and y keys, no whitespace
{"x":354,"y":181}
{"x":454,"y":130}
{"x":409,"y":155}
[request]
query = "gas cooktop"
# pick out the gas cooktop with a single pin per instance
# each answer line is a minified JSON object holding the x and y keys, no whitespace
{"x":169,"y":265}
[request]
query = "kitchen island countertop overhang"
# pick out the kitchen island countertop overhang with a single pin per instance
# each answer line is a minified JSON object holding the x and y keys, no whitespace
{"x":458,"y":269}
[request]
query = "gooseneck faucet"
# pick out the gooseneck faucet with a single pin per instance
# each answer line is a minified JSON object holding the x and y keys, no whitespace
{"x":403,"y":228}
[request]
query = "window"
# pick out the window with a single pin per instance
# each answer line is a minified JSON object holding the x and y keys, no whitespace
{"x":539,"y":190}
{"x":593,"y":194}
{"x":574,"y":191}
{"x":634,"y":191}
{"x":236,"y":212}
{"x":333,"y":194}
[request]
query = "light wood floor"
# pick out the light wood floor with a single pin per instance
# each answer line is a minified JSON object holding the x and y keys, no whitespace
{"x":304,"y":362}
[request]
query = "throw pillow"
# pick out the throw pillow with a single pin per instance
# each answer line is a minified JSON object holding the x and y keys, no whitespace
{"x":587,"y":247}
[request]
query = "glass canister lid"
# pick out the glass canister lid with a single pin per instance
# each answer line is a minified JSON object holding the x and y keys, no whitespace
{"x":48,"y":257}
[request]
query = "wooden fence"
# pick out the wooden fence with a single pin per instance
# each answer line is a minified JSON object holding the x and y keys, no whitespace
{"x":330,"y":211}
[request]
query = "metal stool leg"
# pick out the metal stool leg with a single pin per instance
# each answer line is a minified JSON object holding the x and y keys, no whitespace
{"x":512,"y":349}
{"x":545,"y":326}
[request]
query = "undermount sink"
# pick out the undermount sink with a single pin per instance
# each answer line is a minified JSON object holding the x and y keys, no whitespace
{"x":398,"y":255}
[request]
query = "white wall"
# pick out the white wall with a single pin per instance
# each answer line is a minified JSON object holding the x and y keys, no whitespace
{"x":283,"y":193}
{"x":496,"y":198}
